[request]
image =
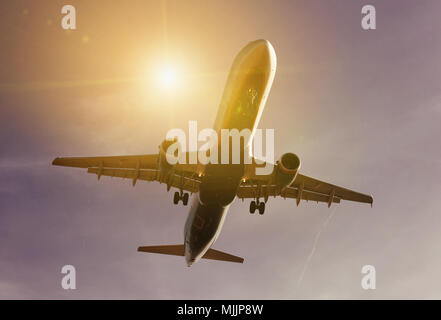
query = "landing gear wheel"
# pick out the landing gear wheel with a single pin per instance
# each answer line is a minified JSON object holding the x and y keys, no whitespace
{"x":252,"y":207}
{"x":176,"y":198}
{"x":261,"y":208}
{"x":185,"y":199}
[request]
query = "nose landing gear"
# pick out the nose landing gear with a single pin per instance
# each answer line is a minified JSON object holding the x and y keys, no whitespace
{"x":257,"y":205}
{"x":180,"y":196}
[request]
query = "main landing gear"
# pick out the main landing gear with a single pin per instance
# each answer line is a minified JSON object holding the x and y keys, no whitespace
{"x":257,"y":205}
{"x":181,"y":196}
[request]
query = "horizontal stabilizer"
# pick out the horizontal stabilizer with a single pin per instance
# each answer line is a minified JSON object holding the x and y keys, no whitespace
{"x":179,"y":250}
{"x":175,"y":250}
{"x":219,"y":255}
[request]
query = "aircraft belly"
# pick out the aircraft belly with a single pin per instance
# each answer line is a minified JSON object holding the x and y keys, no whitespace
{"x":202,"y":228}
{"x":219,"y":183}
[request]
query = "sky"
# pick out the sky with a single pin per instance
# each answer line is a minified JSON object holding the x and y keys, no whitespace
{"x":360,"y":108}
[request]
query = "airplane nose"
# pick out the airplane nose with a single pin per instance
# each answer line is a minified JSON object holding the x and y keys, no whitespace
{"x":260,"y":46}
{"x":258,"y":54}
{"x":262,"y":43}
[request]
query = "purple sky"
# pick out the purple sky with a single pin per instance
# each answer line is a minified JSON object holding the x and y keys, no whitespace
{"x":362,"y":109}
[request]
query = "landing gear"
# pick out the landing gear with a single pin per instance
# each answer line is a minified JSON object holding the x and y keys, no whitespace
{"x":261,"y":208}
{"x":180,"y":196}
{"x":185,"y":199}
{"x":252,"y":207}
{"x":257,"y":205}
{"x":176,"y":198}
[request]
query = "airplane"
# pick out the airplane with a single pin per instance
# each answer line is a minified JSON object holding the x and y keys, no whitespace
{"x":215,"y":186}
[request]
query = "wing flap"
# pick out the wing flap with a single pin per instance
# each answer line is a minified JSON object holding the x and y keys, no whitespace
{"x":311,"y":189}
{"x":251,"y":192}
{"x":148,"y":175}
{"x":141,"y":167}
{"x":317,"y":186}
{"x":179,"y":180}
{"x":148,"y":161}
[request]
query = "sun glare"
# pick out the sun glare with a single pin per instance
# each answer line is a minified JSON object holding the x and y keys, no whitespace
{"x":168,"y":77}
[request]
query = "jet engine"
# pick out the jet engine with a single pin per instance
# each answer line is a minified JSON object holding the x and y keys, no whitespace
{"x":163,"y":165}
{"x":287,"y":168}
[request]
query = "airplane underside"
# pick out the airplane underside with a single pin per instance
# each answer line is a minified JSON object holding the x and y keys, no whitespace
{"x":215,"y":186}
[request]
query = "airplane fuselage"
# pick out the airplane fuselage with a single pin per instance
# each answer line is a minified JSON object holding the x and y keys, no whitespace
{"x":242,"y":104}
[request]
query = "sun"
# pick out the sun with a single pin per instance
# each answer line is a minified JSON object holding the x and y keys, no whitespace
{"x":168,"y":77}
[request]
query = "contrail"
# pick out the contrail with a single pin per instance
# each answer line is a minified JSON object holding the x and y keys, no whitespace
{"x":316,"y":240}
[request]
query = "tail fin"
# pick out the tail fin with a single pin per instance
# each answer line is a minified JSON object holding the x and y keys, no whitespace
{"x":179,"y":250}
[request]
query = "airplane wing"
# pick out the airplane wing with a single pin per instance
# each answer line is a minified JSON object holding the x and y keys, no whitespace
{"x":186,"y":177}
{"x":266,"y":191}
{"x":313,"y":185}
{"x":302,"y":188}
{"x":137,"y":167}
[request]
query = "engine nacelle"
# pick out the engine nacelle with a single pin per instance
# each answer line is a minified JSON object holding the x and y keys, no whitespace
{"x":163,"y":164}
{"x":287,"y":168}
